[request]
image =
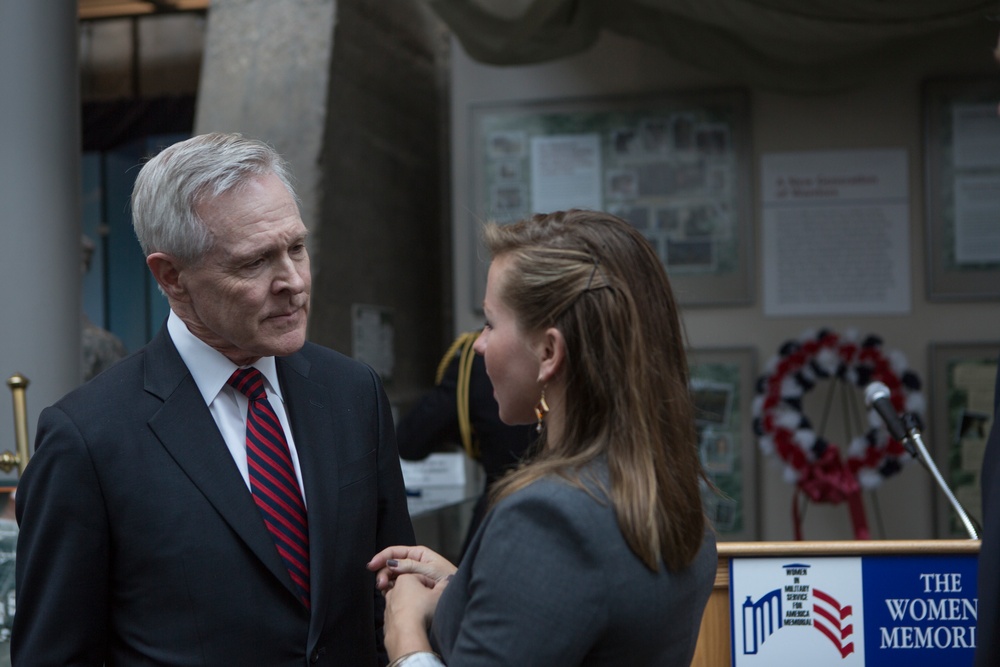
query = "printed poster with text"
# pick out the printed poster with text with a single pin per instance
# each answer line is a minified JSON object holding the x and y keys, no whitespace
{"x":836,"y":232}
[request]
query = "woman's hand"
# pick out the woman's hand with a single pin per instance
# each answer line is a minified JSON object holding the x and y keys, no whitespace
{"x":409,"y":608}
{"x":429,"y":566}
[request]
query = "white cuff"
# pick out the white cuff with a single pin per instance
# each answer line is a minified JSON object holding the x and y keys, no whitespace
{"x":418,"y":659}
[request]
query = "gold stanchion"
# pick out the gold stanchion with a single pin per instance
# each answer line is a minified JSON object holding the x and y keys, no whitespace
{"x":18,"y":383}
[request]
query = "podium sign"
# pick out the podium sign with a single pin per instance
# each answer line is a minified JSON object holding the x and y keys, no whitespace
{"x":854,"y":611}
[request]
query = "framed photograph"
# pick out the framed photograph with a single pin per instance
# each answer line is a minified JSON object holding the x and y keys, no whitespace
{"x":722,"y":383}
{"x":686,"y":154}
{"x":962,"y":381}
{"x":962,"y":186}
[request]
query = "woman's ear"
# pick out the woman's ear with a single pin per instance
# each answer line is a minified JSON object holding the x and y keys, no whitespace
{"x":166,"y":270}
{"x":551,"y":354}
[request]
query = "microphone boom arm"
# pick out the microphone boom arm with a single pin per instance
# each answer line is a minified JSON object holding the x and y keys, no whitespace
{"x":914,"y":438}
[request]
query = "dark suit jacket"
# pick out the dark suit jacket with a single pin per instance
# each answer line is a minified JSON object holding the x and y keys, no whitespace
{"x":988,"y":632}
{"x":141,"y":544}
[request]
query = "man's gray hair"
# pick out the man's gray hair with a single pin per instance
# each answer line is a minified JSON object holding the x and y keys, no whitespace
{"x":171,"y":185}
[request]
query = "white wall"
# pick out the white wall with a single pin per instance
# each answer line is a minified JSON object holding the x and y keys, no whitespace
{"x":885,"y":113}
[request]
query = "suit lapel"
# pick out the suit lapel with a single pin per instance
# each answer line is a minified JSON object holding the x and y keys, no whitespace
{"x":186,"y":429}
{"x":308,"y":405}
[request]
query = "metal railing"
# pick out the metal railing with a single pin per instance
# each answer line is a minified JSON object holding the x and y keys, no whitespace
{"x":18,"y":385}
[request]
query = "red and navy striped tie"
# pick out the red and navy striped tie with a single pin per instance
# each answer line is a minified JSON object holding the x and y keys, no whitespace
{"x":272,"y":480}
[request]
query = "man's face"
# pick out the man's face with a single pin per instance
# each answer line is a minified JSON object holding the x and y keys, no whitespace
{"x":248,"y":296}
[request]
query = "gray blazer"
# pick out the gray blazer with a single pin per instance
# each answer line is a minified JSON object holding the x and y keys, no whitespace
{"x":549,"y":580}
{"x":141,"y":544}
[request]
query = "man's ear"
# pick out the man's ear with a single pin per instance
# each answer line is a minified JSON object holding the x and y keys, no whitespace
{"x":552,"y":354}
{"x":167,"y":272}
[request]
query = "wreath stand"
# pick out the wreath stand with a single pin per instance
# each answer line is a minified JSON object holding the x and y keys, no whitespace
{"x":820,"y":471}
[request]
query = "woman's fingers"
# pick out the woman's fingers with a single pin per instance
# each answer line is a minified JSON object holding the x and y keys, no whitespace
{"x":430,"y":566}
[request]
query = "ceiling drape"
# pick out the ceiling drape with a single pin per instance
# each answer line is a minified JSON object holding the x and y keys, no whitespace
{"x":785,"y":45}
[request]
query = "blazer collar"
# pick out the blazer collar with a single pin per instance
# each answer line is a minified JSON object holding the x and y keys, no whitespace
{"x":310,"y":409}
{"x":187,"y":431}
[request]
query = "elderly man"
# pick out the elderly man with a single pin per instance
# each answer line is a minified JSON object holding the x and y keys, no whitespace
{"x":213,"y":499}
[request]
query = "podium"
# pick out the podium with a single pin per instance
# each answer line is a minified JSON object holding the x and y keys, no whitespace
{"x":872,"y":603}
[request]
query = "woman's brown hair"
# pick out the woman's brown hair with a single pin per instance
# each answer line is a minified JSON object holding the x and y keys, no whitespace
{"x":596,"y":279}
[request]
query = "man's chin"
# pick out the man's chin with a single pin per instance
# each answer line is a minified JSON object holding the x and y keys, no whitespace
{"x":288,"y":345}
{"x":280,"y":343}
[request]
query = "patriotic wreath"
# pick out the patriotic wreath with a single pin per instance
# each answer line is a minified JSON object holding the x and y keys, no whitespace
{"x":816,"y":466}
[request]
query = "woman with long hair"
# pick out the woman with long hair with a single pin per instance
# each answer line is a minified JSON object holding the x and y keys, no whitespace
{"x":596,"y":550}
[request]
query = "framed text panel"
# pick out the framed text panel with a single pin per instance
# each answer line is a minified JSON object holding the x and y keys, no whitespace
{"x":962,"y":184}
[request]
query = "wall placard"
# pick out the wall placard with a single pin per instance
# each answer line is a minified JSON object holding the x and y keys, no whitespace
{"x":676,"y":166}
{"x":962,"y":189}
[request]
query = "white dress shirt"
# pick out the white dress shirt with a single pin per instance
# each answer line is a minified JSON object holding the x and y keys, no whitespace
{"x":211,"y":371}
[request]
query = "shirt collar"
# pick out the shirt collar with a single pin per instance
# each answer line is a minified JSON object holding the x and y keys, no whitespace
{"x":209,"y":368}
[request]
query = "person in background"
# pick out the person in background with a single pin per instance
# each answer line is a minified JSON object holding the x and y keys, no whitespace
{"x":461,"y":408}
{"x":213,"y":498}
{"x":99,"y":348}
{"x":988,"y":616}
{"x":597,"y":551}
{"x":988,"y":613}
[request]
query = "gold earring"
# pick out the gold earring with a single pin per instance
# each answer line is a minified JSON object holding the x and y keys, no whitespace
{"x":541,"y":410}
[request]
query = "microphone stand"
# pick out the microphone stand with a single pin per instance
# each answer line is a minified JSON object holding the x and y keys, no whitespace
{"x":917,"y":442}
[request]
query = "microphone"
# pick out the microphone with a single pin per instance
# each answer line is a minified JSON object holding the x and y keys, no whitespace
{"x":877,"y":398}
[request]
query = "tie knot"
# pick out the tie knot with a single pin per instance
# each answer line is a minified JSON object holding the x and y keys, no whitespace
{"x":250,"y":382}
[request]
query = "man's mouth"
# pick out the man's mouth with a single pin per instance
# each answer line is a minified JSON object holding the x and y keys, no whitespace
{"x":286,"y":315}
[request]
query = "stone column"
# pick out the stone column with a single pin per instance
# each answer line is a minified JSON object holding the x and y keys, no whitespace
{"x":40,"y":261}
{"x":265,"y":73}
{"x":351,"y":92}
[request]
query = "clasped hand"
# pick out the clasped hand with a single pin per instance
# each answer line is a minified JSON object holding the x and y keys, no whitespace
{"x":412,"y":579}
{"x":429,"y":566}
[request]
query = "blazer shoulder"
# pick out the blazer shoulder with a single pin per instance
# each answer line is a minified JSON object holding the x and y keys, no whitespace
{"x":323,"y":360}
{"x":591,"y":481}
{"x":123,"y":379}
{"x":567,"y":506}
